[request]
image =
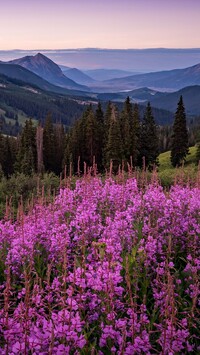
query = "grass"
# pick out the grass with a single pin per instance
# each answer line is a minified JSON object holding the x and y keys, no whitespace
{"x":167,"y":173}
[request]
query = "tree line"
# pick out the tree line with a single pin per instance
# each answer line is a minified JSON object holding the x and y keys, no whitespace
{"x":121,"y":137}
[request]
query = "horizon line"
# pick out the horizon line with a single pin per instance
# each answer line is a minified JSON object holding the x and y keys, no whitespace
{"x":100,"y":48}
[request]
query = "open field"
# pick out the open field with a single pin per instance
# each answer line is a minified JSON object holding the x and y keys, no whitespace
{"x":168,"y":174}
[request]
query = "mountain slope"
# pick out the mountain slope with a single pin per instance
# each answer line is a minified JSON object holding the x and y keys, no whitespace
{"x":191,"y":99}
{"x":27,"y":100}
{"x":48,"y":70}
{"x":171,"y":79}
{"x":18,"y":72}
{"x":24,"y":100}
{"x":78,"y":76}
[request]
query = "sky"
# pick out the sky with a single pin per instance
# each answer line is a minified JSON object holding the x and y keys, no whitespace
{"x":59,"y":24}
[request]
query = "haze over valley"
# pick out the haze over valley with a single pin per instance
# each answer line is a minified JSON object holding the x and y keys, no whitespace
{"x":161,"y":88}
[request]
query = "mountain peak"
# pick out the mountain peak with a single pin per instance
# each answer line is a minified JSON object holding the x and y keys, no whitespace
{"x":39,"y":55}
{"x":41,"y":59}
{"x":48,"y":70}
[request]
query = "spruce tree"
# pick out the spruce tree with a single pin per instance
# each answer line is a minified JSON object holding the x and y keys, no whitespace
{"x":9,"y":155}
{"x":91,"y":145}
{"x":107,"y":120}
{"x":114,"y":149}
{"x":59,"y":134}
{"x":99,"y":116}
{"x":27,"y":156}
{"x":149,"y":149}
{"x":49,"y":149}
{"x":126,"y":131}
{"x":39,"y":145}
{"x":135,"y":135}
{"x":179,"y":147}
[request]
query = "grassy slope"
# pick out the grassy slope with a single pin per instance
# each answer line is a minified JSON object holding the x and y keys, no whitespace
{"x":167,"y":173}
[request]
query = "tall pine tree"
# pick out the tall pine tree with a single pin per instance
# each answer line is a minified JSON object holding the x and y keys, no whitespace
{"x":135,"y":135}
{"x":179,"y":146}
{"x":114,"y":149}
{"x":90,"y":137}
{"x":49,"y":149}
{"x":99,"y":116}
{"x":149,"y":140}
{"x":27,"y":156}
{"x":126,"y":119}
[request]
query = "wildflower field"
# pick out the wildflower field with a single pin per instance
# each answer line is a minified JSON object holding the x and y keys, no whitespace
{"x":107,"y":268}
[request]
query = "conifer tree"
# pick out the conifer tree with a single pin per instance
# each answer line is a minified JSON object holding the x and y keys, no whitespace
{"x":99,"y":116}
{"x":149,"y":140}
{"x":126,"y":129}
{"x":179,"y":146}
{"x":59,"y":134}
{"x":91,"y":145}
{"x":114,"y":144}
{"x":39,"y":145}
{"x":107,"y":121}
{"x":26,"y":156}
{"x":106,"y":127}
{"x":74,"y":145}
{"x":49,"y":148}
{"x":68,"y":155}
{"x":9,"y":155}
{"x":135,"y":135}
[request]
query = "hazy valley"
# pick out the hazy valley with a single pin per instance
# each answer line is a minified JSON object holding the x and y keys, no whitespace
{"x":39,"y":77}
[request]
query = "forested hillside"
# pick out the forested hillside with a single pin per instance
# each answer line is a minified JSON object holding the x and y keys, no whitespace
{"x":127,"y":137}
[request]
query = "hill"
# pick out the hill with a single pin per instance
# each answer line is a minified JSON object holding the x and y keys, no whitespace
{"x":165,"y":80}
{"x":48,"y":70}
{"x":168,"y":174}
{"x":191,"y":99}
{"x":137,"y":95}
{"x":161,"y":100}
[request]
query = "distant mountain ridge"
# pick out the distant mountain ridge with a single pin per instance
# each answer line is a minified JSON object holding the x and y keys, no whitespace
{"x":161,"y":100}
{"x":107,"y":74}
{"x":166,"y":80}
{"x":141,"y":87}
{"x":48,"y":70}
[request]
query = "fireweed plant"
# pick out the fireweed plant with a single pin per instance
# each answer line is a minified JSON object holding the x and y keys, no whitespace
{"x":107,"y":268}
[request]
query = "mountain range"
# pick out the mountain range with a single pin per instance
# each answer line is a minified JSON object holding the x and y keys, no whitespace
{"x":163,"y":80}
{"x":161,"y":100}
{"x":162,"y":89}
{"x":75,"y":79}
